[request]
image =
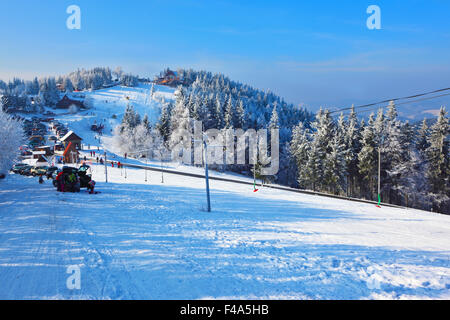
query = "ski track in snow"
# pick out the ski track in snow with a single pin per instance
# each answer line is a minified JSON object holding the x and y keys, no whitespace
{"x":138,"y":240}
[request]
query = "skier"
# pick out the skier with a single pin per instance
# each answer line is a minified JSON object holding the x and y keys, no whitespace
{"x":71,"y":181}
{"x":119,"y":165}
{"x":91,"y":186}
{"x":60,"y":182}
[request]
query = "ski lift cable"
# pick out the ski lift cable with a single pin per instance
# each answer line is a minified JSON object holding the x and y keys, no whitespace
{"x":398,"y":104}
{"x":389,"y":100}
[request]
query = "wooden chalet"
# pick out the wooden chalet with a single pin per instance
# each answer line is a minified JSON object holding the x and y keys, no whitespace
{"x":168,"y":78}
{"x":73,"y":138}
{"x":66,"y":102}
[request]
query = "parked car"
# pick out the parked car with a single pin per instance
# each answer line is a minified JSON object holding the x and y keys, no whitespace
{"x":19,"y":166}
{"x":38,"y":171}
{"x":50,"y":172}
{"x":26,"y":171}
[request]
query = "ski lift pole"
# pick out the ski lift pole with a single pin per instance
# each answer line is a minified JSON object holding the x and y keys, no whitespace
{"x":254,"y":176}
{"x":207,"y":176}
{"x":106,"y":169}
{"x":379,"y":170}
{"x":162,"y":171}
{"x":146,"y":164}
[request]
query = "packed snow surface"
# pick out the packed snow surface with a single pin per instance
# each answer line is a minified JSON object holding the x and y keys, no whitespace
{"x":148,"y":240}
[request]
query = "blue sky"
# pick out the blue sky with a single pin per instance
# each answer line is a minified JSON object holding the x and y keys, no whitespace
{"x":318,"y":53}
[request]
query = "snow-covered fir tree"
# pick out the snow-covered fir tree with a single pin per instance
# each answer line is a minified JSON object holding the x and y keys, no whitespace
{"x":368,"y":159}
{"x":438,"y":160}
{"x":352,"y":147}
{"x":11,"y":138}
{"x":163,"y":125}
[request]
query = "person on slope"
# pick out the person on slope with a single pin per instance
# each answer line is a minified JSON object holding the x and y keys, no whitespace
{"x":60,"y":182}
{"x":91,"y":187}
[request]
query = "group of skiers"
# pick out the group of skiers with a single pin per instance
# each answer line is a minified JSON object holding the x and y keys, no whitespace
{"x":68,"y":181}
{"x":118,"y":164}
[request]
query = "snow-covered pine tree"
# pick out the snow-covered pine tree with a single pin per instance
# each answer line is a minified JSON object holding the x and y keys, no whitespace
{"x":341,"y":130}
{"x":300,"y":151}
{"x":313,"y":172}
{"x":180,"y":125}
{"x":131,"y":119}
{"x":35,"y":87}
{"x":439,"y":162}
{"x":219,"y":112}
{"x":146,"y":124}
{"x":368,"y":159}
{"x":152,"y":91}
{"x":393,"y":154}
{"x":323,"y":134}
{"x":274,"y":119}
{"x":164,"y":125}
{"x":193,"y":105}
{"x":203,"y":112}
{"x":334,"y":166}
{"x":68,"y":86}
{"x":11,"y":138}
{"x":410,"y":183}
{"x":422,"y":137}
{"x":240,"y":115}
{"x":229,"y":113}
{"x":352,"y":147}
{"x":379,"y":126}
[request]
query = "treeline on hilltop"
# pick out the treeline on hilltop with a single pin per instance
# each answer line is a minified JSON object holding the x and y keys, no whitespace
{"x":338,"y":156}
{"x":222,"y":104}
{"x":33,"y":95}
{"x":218,"y":103}
{"x":341,"y":157}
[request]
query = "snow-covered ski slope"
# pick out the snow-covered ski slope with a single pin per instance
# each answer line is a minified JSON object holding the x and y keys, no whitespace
{"x":148,"y":240}
{"x":109,"y":105}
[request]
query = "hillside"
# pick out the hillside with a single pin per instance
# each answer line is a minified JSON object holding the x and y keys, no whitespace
{"x":110,"y":102}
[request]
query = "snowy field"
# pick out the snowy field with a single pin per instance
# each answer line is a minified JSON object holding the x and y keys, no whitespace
{"x":147,"y":240}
